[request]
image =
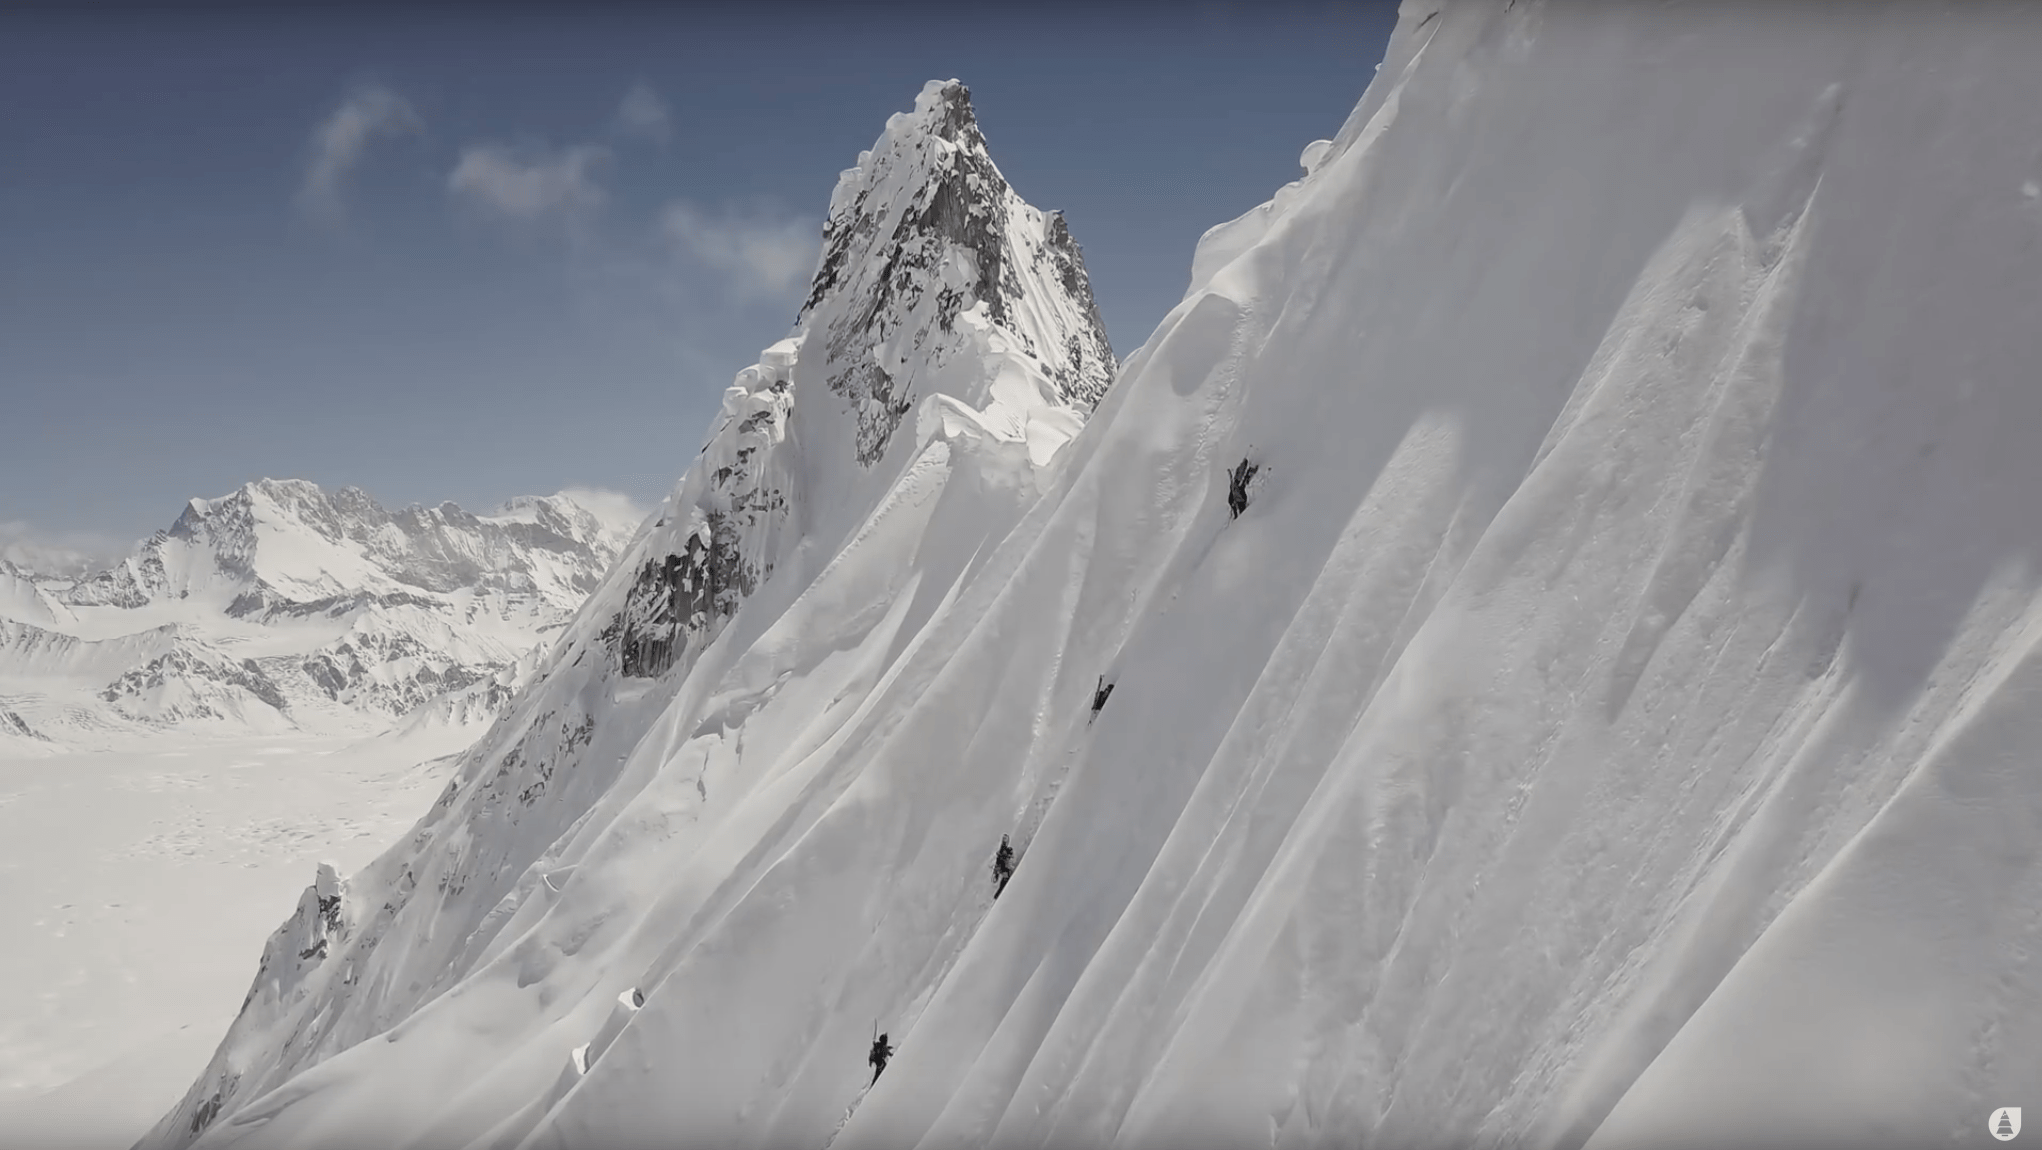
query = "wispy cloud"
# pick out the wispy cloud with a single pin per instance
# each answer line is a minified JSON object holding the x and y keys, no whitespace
{"x":57,"y":552}
{"x":758,"y":256}
{"x":643,"y":113}
{"x":369,"y":112}
{"x":529,"y":181}
{"x":620,"y":511}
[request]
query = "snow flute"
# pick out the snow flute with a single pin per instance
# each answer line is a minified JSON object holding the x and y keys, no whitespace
{"x":628,"y":1003}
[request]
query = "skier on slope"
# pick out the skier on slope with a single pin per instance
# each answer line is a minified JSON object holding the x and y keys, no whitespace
{"x":881,"y":1051}
{"x":1003,"y":866}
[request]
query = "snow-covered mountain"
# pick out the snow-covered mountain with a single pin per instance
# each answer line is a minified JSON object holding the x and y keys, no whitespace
{"x":27,"y":597}
{"x":859,"y":476}
{"x":1537,"y":649}
{"x":282,"y":606}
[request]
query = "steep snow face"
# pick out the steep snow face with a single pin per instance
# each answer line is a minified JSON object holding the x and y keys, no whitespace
{"x":26,"y":598}
{"x":833,"y":513}
{"x":1604,"y":717}
{"x":282,"y":606}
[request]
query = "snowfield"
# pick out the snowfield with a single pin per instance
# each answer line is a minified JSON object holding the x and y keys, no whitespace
{"x":279,"y":678}
{"x":1605,"y":717}
{"x":138,"y":882}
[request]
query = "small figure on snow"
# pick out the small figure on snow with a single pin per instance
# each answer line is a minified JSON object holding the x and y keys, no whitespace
{"x":1003,"y":866}
{"x":1238,"y":479}
{"x":881,"y":1051}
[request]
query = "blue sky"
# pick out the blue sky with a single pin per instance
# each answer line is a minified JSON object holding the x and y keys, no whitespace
{"x":469,"y":252}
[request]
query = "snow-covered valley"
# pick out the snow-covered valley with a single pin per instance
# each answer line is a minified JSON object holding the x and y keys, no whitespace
{"x":138,"y":881}
{"x":280,"y":678}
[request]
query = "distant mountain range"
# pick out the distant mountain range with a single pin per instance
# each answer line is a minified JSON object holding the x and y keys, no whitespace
{"x":285,"y":606}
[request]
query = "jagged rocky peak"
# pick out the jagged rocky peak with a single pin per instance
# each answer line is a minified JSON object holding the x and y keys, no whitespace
{"x":936,"y":280}
{"x":553,"y":522}
{"x":924,"y":239}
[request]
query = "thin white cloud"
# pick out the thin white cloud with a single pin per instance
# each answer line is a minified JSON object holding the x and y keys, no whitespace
{"x":759,"y":257}
{"x":643,"y":113}
{"x":339,"y":142}
{"x":529,"y":181}
{"x":57,"y":552}
{"x":619,"y":511}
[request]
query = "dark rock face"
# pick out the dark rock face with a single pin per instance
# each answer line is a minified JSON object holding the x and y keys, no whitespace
{"x":1088,"y":360}
{"x":963,"y":205}
{"x":182,"y":664}
{"x":9,"y":721}
{"x":685,"y":589}
{"x":264,"y":604}
{"x":681,"y":593}
{"x":326,"y":675}
{"x":345,"y":672}
{"x":131,"y":584}
{"x":206,"y":1112}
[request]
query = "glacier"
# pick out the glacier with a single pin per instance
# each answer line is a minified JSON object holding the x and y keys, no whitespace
{"x":1535,"y":650}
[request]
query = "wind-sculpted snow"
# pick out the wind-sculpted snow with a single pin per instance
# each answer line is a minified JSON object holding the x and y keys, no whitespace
{"x":24,"y":598}
{"x":772,"y":575}
{"x":1603,"y":716}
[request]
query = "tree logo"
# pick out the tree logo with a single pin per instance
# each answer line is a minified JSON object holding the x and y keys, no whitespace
{"x":2005,"y":1123}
